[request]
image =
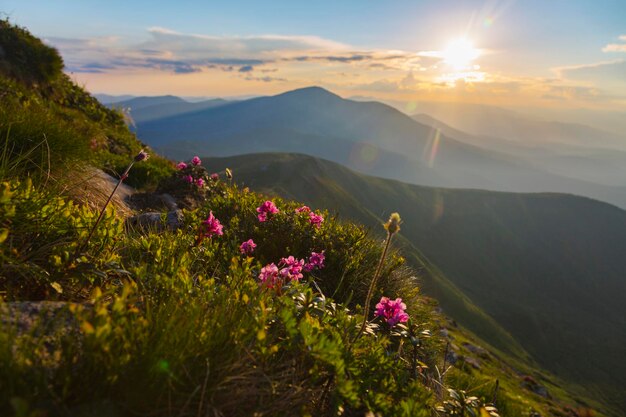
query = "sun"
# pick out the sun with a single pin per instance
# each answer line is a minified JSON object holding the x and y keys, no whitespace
{"x":460,"y":53}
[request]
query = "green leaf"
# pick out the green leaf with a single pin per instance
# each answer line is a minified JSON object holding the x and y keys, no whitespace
{"x":57,"y":287}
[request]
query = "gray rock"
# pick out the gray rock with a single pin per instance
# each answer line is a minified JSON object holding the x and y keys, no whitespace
{"x":174,"y":219}
{"x":473,"y":362}
{"x":476,"y":349}
{"x":146,"y":222}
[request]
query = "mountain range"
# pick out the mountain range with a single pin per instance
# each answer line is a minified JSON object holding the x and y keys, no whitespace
{"x":369,"y":137}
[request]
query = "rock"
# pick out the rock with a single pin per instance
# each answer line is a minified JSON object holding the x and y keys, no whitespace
{"x":452,"y":357}
{"x":531,"y":384}
{"x":174,"y":219}
{"x":473,"y":362}
{"x":476,"y":350}
{"x":152,"y":221}
{"x":169,"y":201}
{"x":24,"y":315}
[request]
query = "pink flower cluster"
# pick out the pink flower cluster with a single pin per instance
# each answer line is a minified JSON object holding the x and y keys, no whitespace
{"x":392,"y":311}
{"x":316,"y":261}
{"x":291,"y":268}
{"x":269,"y":275}
{"x":314,"y":218}
{"x":247,"y":247}
{"x":215,"y":177}
{"x":288,"y":269}
{"x":200,"y":182}
{"x":266,"y":208}
{"x":213,"y":226}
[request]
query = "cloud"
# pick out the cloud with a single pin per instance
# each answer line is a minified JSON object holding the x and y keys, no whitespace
{"x":606,"y":72}
{"x":180,"y":53}
{"x":616,"y":47}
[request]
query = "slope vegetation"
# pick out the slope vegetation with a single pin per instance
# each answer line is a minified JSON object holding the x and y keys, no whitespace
{"x":549,"y":268}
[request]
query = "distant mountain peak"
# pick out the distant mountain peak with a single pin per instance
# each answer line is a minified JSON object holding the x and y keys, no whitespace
{"x":310,"y":92}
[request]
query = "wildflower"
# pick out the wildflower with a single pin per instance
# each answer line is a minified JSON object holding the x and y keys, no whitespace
{"x":317,"y":259}
{"x":196,"y":161}
{"x":181,"y":165}
{"x":392,"y":311}
{"x":200,"y":182}
{"x":291,"y":268}
{"x":316,"y":219}
{"x":141,"y":156}
{"x":215,"y":177}
{"x":266,"y":208}
{"x":188,"y":178}
{"x":213,"y":226}
{"x":247,"y":247}
{"x":269,"y":275}
{"x":303,"y":209}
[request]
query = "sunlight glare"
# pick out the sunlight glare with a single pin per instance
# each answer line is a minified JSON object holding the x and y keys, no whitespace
{"x":460,"y":53}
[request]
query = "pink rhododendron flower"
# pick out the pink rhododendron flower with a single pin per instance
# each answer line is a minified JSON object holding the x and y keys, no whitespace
{"x":303,"y":209}
{"x":247,"y":247}
{"x":213,"y":226}
{"x":181,"y":166}
{"x":392,"y":311}
{"x":291,"y":268}
{"x":200,"y":182}
{"x":215,"y":177}
{"x":188,"y":178}
{"x":316,"y":219}
{"x":269,"y":275}
{"x":316,"y":261}
{"x":196,"y":161}
{"x":266,"y":208}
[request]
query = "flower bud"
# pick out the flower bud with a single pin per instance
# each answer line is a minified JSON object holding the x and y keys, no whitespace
{"x":393,"y":225}
{"x":141,"y":156}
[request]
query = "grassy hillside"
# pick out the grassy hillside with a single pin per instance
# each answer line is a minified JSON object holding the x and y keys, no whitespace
{"x":54,"y":122}
{"x":547,"y":267}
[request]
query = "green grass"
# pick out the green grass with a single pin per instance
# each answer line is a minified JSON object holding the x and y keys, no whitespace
{"x":545,"y":267}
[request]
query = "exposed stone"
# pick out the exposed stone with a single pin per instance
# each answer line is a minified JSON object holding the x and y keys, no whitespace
{"x":476,"y":350}
{"x":150,"y":221}
{"x":452,"y":357}
{"x":174,"y":219}
{"x":531,"y":384}
{"x":473,"y":362}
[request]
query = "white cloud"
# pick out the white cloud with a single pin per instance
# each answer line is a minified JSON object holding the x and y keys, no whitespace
{"x":616,"y":47}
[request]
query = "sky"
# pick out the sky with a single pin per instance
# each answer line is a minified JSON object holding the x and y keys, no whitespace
{"x":547,"y":53}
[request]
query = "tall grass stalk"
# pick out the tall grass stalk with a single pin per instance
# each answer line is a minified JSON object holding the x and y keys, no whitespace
{"x":392,"y":226}
{"x":141,"y":156}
